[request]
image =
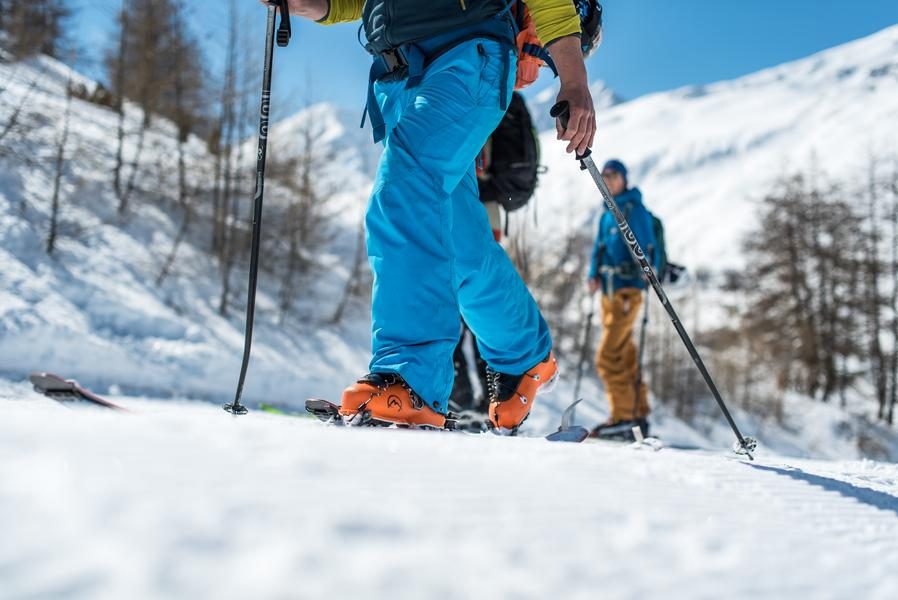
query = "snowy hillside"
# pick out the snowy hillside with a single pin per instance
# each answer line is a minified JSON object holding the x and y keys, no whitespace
{"x":333,"y":127}
{"x":702,"y":155}
{"x":92,"y":311}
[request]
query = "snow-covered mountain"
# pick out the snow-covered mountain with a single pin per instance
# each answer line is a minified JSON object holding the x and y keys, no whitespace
{"x":702,"y":155}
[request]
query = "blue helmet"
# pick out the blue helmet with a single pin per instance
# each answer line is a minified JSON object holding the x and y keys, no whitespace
{"x":617,"y":166}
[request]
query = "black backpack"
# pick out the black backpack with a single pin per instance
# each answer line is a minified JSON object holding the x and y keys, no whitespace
{"x":512,"y":171}
{"x":660,"y":249}
{"x":668,"y":272}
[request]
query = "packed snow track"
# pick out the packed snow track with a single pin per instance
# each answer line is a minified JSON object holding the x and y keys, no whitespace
{"x":181,"y":500}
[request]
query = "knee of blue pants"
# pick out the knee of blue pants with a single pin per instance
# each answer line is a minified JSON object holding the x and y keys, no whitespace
{"x":512,"y":335}
{"x":434,"y":132}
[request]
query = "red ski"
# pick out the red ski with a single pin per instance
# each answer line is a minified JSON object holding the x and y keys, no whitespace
{"x":68,"y":390}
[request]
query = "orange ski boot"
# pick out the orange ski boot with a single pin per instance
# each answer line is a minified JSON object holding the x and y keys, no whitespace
{"x":511,"y":396}
{"x":385,"y":398}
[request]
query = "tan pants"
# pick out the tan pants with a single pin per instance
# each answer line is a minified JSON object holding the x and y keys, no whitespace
{"x":616,"y":360}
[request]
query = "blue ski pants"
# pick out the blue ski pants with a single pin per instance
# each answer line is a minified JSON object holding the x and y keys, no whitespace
{"x":429,"y":241}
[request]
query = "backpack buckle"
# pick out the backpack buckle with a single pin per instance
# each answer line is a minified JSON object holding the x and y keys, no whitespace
{"x":394,"y":60}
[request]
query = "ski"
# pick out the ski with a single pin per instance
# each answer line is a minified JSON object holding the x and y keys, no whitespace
{"x":68,"y":391}
{"x":631,"y":438}
{"x":329,"y":413}
{"x":568,"y":432}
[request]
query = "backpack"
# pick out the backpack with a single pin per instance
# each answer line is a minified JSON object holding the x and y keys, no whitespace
{"x":390,"y":24}
{"x":532,"y":54}
{"x":658,"y":252}
{"x":509,"y":164}
{"x":660,"y":249}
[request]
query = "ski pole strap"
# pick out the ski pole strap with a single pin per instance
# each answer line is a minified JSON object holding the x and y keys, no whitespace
{"x":541,"y":53}
{"x":285,"y":31}
{"x":607,"y":274}
{"x":372,"y":108}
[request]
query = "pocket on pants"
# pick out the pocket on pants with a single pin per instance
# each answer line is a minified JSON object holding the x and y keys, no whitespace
{"x":493,"y":57}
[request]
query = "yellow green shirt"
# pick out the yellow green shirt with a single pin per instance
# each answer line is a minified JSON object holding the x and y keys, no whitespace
{"x":553,"y":18}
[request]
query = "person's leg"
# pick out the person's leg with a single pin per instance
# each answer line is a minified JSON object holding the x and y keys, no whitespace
{"x":616,"y":360}
{"x":497,"y":306}
{"x":432,"y":141}
{"x":462,"y":391}
{"x":482,"y":403}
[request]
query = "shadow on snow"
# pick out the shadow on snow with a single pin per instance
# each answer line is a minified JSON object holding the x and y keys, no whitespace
{"x":874,"y":498}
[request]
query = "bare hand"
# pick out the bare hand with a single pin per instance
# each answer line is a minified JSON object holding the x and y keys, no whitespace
{"x":310,"y":9}
{"x":581,"y":129}
{"x":594,"y":285}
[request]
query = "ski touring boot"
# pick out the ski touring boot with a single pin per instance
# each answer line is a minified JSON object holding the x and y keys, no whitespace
{"x":622,"y":430}
{"x":386,"y":399}
{"x":511,"y":396}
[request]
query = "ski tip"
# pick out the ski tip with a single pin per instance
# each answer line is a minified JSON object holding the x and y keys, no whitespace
{"x":49,"y":383}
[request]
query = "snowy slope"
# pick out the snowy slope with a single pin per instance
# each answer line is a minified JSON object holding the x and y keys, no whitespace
{"x":184,"y":501}
{"x":702,"y":155}
{"x":335,"y":128}
{"x":93,"y":310}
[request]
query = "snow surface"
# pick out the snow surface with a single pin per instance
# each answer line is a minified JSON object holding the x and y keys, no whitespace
{"x":181,"y":500}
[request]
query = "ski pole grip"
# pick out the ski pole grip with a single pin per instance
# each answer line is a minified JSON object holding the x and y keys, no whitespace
{"x":285,"y":32}
{"x":562,"y":112}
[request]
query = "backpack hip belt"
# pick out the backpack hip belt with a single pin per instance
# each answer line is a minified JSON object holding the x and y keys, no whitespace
{"x":410,"y":61}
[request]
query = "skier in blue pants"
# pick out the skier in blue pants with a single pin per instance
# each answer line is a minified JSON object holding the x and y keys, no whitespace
{"x":430,"y":244}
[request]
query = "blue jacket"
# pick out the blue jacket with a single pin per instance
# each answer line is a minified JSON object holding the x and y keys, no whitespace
{"x":610,"y":249}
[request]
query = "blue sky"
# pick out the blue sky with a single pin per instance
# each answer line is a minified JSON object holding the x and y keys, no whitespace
{"x":650,"y":45}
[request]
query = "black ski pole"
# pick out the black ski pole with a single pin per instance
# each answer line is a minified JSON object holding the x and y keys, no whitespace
{"x":584,"y":350}
{"x":586,"y":334}
{"x":639,"y":359}
{"x":744,"y":445}
{"x":284,"y":33}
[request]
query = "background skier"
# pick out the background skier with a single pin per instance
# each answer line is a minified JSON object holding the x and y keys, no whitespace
{"x":613,"y":271}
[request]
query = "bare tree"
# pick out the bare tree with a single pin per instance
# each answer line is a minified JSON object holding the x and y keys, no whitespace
{"x":61,"y":143}
{"x":355,"y":274}
{"x":34,"y":27}
{"x":873,"y":300}
{"x":303,"y":227}
{"x":118,"y":63}
{"x":893,"y":399}
{"x":184,"y":120}
{"x":152,"y":53}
